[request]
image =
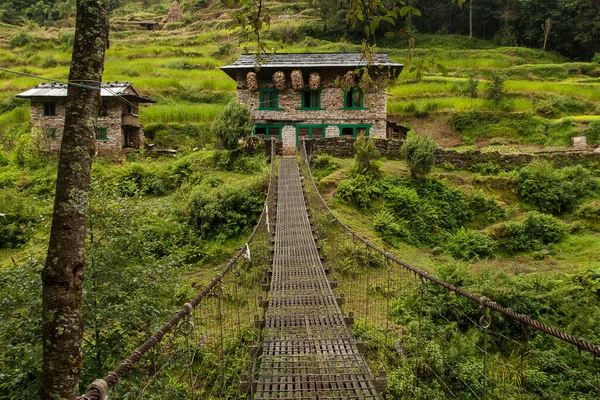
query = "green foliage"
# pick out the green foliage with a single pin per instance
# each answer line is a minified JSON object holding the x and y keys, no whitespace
{"x":590,"y":210}
{"x":557,"y":105}
{"x":20,"y":329}
{"x":560,"y":132}
{"x":468,"y":244}
{"x":136,"y":179}
{"x":177,"y":136}
{"x":471,"y":87}
{"x":495,"y":88}
{"x":366,"y":156}
{"x":554,"y":190}
{"x":359,"y":190}
{"x":418,"y":151}
{"x":323,"y":165}
{"x":240,"y":162}
{"x":532,"y":233}
{"x":487,"y":207}
{"x":592,"y":132}
{"x":447,"y":340}
{"x":488,"y":168}
{"x":391,"y":229}
{"x":228,"y":212}
{"x":231,"y":125}
{"x":20,"y":39}
{"x":425,"y":211}
{"x":16,"y":216}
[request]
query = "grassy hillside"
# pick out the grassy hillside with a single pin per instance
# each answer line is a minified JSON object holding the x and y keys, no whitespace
{"x":545,"y":99}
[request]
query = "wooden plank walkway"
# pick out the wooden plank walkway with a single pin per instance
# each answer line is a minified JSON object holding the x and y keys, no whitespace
{"x":308,"y":351}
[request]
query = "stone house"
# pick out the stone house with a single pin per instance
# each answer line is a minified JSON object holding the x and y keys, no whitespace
{"x":294,"y":96}
{"x":117,"y":128}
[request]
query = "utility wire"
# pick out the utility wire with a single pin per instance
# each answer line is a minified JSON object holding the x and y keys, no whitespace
{"x":119,"y":96}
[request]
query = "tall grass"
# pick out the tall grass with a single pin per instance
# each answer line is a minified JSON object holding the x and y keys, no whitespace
{"x":589,"y":92}
{"x":180,"y":113}
{"x":422,"y":89}
{"x":16,"y":116}
{"x":424,"y":106}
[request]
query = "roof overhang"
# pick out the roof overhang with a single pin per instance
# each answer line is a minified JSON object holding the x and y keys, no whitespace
{"x":338,"y":62}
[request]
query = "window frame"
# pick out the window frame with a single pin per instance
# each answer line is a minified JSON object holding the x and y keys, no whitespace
{"x":49,"y":109}
{"x":51,"y":133}
{"x":318,"y":94}
{"x":267,"y":127}
{"x":355,"y":128}
{"x":361,"y":104}
{"x":101,"y":133}
{"x":276,"y":100}
{"x":310,"y":130}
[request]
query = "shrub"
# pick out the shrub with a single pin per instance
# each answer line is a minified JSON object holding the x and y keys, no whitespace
{"x":468,"y":244}
{"x":232,"y":124}
{"x":560,"y":132}
{"x":488,"y":168}
{"x":20,"y":39}
{"x":418,"y":150}
{"x":554,"y":191}
{"x":495,"y":88}
{"x":323,"y":165}
{"x":135,"y":179}
{"x":365,"y":159}
{"x":592,"y":132}
{"x":590,"y":210}
{"x":427,"y":209}
{"x":390,"y":229}
{"x":359,"y":190}
{"x":492,"y":212}
{"x":17,"y":214}
{"x":227,"y":212}
{"x":532,"y":233}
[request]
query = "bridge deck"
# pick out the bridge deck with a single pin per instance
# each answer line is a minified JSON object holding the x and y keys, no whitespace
{"x":308,"y":351}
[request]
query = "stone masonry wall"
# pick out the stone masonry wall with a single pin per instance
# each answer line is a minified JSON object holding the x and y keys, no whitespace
{"x":331,"y":113}
{"x":467,"y":159}
{"x":112,"y":122}
{"x":288,"y":134}
{"x":343,"y":147}
{"x":114,"y":132}
{"x":42,"y":124}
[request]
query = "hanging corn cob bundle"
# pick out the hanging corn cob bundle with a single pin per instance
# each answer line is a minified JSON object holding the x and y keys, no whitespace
{"x":366,"y":83}
{"x":297,"y":79}
{"x":349,"y":80}
{"x":251,"y":81}
{"x":314,"y":81}
{"x":279,"y":80}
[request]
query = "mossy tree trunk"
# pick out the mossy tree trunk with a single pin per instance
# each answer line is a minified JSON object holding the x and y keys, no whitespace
{"x":62,"y":277}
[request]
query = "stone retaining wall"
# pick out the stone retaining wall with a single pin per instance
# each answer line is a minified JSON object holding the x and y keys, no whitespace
{"x":343,"y":147}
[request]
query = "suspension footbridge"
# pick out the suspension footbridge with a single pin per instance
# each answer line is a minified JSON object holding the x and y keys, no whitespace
{"x":272,"y":324}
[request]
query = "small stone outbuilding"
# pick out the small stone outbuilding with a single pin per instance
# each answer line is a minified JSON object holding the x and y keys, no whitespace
{"x":117,"y":128}
{"x":294,"y":96}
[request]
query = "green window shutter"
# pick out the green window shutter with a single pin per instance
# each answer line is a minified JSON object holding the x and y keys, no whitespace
{"x":310,"y":99}
{"x":102,"y":133}
{"x":353,"y":99}
{"x":268,"y":99}
{"x":49,"y":109}
{"x":51,"y":133}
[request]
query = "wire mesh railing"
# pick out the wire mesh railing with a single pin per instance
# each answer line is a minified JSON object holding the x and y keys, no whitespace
{"x":208,"y":348}
{"x":436,"y":340}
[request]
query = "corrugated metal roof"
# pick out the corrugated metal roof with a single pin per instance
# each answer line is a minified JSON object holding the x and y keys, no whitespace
{"x":109,"y":89}
{"x":310,"y":60}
